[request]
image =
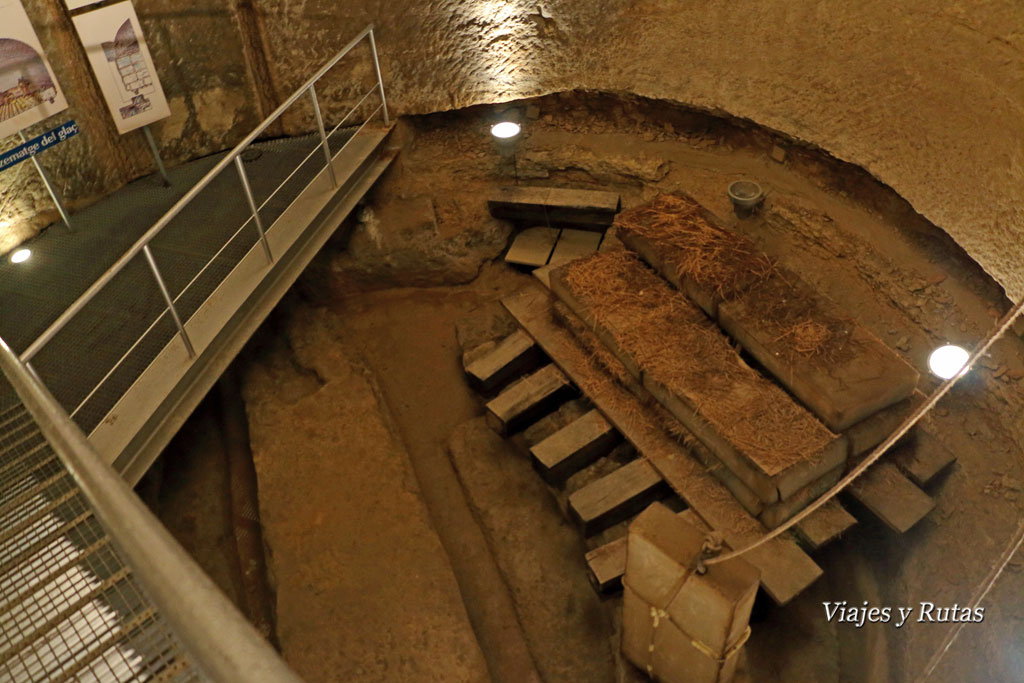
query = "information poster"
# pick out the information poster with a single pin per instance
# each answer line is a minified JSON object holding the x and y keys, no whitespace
{"x":28,"y":90}
{"x":124,"y":70}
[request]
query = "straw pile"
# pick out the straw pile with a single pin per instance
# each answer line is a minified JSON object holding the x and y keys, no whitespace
{"x":676,"y":345}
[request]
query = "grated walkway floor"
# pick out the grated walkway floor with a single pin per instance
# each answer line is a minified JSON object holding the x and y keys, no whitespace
{"x":128,"y":318}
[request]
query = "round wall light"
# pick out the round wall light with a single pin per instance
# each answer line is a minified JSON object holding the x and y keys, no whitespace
{"x":505,"y":130}
{"x":948,"y":361}
{"x":20,"y":256}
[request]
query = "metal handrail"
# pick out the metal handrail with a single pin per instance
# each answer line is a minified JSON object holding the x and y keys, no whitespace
{"x":143,"y":242}
{"x":217,"y":637}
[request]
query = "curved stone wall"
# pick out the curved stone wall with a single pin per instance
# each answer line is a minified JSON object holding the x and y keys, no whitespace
{"x":927,"y":96}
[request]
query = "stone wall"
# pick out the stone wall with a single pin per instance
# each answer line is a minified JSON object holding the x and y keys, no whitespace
{"x":927,"y":96}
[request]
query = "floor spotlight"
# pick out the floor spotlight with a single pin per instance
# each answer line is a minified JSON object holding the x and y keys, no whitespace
{"x":505,"y":130}
{"x":20,"y":256}
{"x":948,"y":361}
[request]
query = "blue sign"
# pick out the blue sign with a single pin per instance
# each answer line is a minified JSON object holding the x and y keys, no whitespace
{"x":30,"y":148}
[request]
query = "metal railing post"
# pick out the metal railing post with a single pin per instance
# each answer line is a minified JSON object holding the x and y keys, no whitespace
{"x":380,"y":80}
{"x":323,"y":134}
{"x":255,"y":210}
{"x":170,"y":302}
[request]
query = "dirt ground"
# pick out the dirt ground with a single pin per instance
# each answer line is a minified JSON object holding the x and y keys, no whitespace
{"x":363,"y":372}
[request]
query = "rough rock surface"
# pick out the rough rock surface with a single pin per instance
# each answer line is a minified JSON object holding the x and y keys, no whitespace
{"x":365,"y":591}
{"x":926,"y":96}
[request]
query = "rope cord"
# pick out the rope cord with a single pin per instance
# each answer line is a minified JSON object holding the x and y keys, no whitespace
{"x":883,"y":447}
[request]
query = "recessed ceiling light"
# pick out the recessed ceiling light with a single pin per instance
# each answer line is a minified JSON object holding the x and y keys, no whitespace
{"x":20,"y":256}
{"x":505,"y":129}
{"x":948,"y":361}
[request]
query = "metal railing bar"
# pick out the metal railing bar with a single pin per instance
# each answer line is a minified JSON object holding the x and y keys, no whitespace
{"x":255,"y":210}
{"x":218,"y":638}
{"x":323,"y":135}
{"x":352,"y":111}
{"x":290,"y":176}
{"x":359,"y":129}
{"x":170,"y":302}
{"x":164,"y":220}
{"x":120,"y":360}
{"x":213,"y":260}
{"x":380,"y":80}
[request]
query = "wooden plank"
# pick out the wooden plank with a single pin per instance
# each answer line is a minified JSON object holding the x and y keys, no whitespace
{"x":513,"y":356}
{"x":825,"y":524}
{"x":891,"y":497}
{"x":574,"y":244}
{"x":617,"y":496}
{"x":607,"y":563}
{"x":923,"y":456}
{"x":528,"y":399}
{"x":708,"y":409}
{"x":544,"y":274}
{"x":592,"y":209}
{"x":532,"y":247}
{"x":778,"y":513}
{"x":785,"y":569}
{"x":871,"y":431}
{"x":611,"y":241}
{"x":574,"y":447}
{"x":848,"y":375}
{"x":857,"y":378}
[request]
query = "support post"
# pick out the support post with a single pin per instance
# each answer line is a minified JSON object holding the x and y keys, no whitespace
{"x":170,"y":301}
{"x":323,"y":134}
{"x":255,"y":210}
{"x":380,"y":80}
{"x":156,"y":155}
{"x":49,"y":186}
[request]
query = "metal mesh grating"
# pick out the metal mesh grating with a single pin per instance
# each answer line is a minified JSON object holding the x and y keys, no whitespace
{"x":70,"y":608}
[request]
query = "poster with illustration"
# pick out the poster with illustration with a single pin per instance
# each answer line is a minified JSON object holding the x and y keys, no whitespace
{"x":28,"y":90}
{"x":124,"y":70}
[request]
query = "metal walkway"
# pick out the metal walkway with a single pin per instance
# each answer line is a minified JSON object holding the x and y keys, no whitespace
{"x":129,"y":319}
{"x":117,"y":330}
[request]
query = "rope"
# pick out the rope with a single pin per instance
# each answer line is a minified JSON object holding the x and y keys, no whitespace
{"x":882,"y":448}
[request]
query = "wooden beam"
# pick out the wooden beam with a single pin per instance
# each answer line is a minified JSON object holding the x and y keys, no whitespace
{"x":923,"y":456}
{"x":891,"y":497}
{"x":607,"y":563}
{"x":701,"y":350}
{"x":513,"y":356}
{"x":532,"y":247}
{"x":574,"y":244}
{"x":617,"y":496}
{"x":555,"y":206}
{"x":825,"y":524}
{"x":785,"y":569}
{"x":528,"y":400}
{"x":573,"y":447}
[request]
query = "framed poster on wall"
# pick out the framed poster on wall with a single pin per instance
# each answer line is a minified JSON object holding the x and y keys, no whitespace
{"x":78,"y":4}
{"x":120,"y":60}
{"x":28,"y":90}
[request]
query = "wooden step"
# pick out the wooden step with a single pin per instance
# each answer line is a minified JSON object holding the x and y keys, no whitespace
{"x":923,"y":456}
{"x":871,"y":431}
{"x":574,"y":244}
{"x":555,"y":206}
{"x":573,"y":447}
{"x":745,"y":420}
{"x":843,"y":373}
{"x":824,"y":525}
{"x":607,"y":563}
{"x":891,"y":497}
{"x":617,"y":496}
{"x":532,"y":247}
{"x":528,"y":400}
{"x":786,"y":570}
{"x":513,"y":356}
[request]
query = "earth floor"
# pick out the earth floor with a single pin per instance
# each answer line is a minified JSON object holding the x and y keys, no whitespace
{"x":368,"y":367}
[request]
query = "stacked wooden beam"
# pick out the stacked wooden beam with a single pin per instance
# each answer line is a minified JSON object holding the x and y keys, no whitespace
{"x":772,"y":453}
